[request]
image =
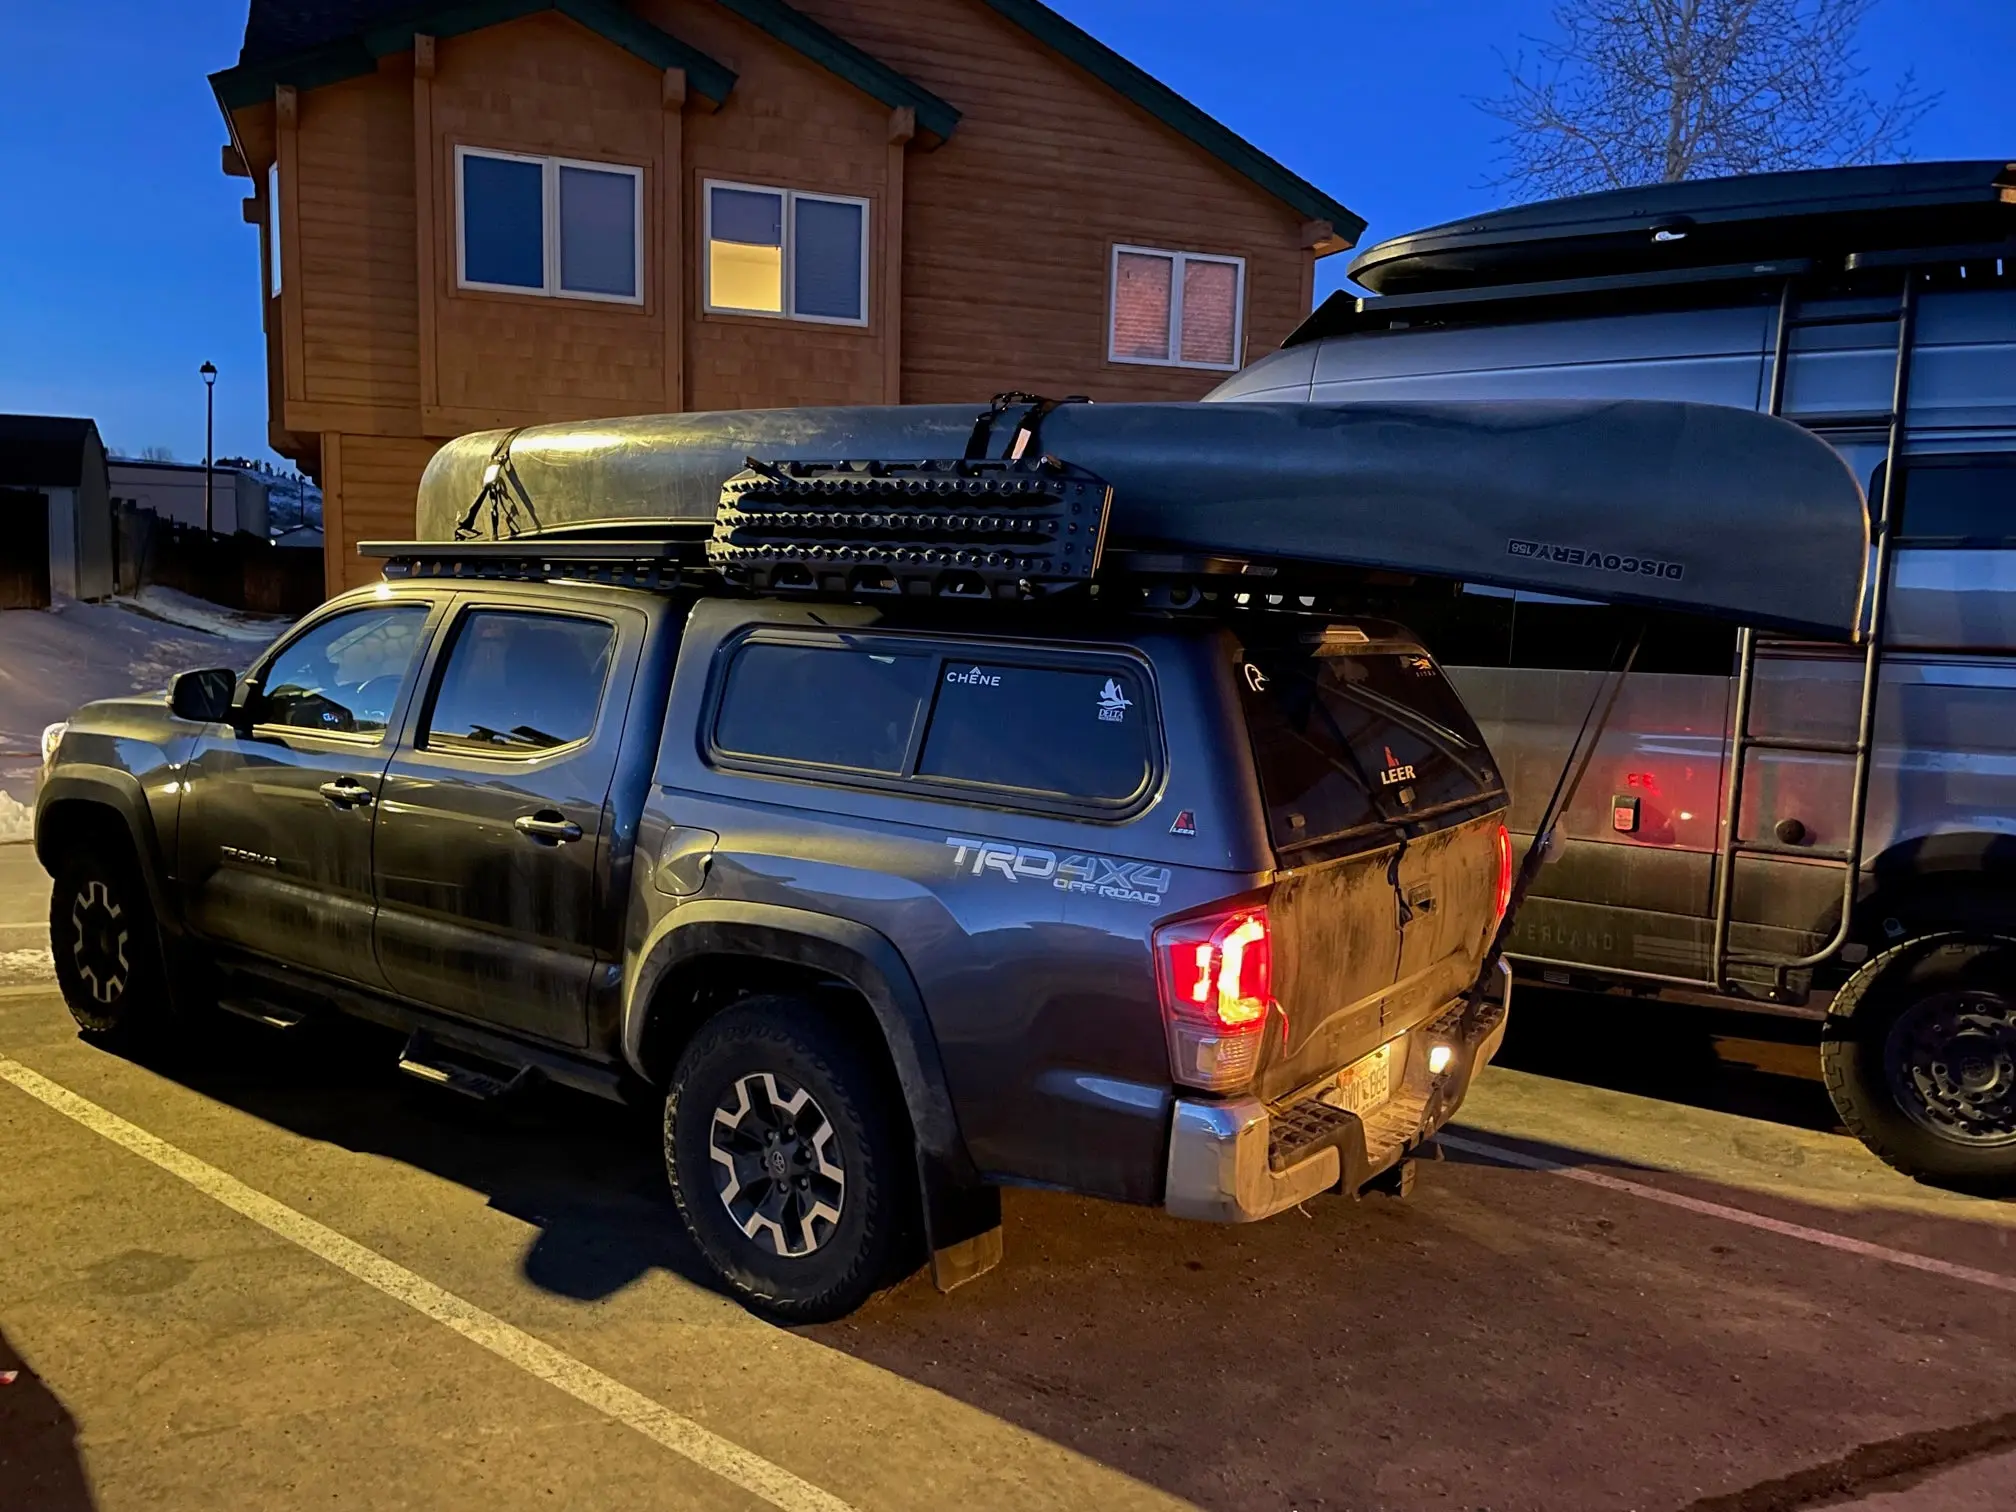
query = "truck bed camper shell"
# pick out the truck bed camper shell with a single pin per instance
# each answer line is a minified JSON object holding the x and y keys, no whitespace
{"x":1667,"y":505}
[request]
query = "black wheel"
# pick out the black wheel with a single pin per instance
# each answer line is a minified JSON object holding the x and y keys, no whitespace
{"x":107,"y":953}
{"x":1919,"y":1053}
{"x":791,"y":1160}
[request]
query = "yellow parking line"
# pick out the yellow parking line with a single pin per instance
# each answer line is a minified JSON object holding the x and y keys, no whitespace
{"x":584,"y":1383}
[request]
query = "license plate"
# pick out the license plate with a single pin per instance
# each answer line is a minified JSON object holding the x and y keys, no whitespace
{"x":1365,"y":1085}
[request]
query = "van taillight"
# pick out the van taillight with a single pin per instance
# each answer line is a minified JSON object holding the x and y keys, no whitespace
{"x":1504,"y":900}
{"x":1216,"y":976}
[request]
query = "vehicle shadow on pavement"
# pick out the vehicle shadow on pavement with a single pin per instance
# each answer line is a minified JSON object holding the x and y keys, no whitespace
{"x":1755,"y":1065}
{"x":40,"y":1464}
{"x":586,"y":1173}
{"x":1504,"y":1338}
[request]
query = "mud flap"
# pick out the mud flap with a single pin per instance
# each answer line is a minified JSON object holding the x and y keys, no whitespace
{"x":962,"y":1225}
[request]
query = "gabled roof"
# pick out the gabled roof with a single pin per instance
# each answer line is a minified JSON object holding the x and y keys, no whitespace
{"x":43,"y":451}
{"x":866,"y":72}
{"x":311,"y":42}
{"x":1167,"y":106}
{"x":308,"y":43}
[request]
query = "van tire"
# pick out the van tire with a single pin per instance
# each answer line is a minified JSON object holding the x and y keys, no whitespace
{"x":106,"y":947}
{"x":1919,"y":1056}
{"x":776,"y":1121}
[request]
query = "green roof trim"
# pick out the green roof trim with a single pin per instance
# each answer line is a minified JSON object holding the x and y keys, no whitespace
{"x":250,"y":84}
{"x":837,"y":55}
{"x":1167,"y":106}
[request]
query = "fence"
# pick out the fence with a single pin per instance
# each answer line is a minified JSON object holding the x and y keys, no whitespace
{"x":238,"y":571}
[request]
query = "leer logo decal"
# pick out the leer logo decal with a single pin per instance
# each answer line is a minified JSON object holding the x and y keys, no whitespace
{"x":1099,"y":876}
{"x":1396,"y":770}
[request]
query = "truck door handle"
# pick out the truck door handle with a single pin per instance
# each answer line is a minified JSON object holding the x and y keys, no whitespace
{"x":346,"y":792}
{"x":547,"y":827}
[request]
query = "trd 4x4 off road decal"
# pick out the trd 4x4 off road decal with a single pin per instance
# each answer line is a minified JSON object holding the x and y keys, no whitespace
{"x":1100,"y":876}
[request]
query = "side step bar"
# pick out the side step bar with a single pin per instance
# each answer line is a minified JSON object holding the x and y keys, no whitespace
{"x":464,"y":1071}
{"x":271,"y":1015}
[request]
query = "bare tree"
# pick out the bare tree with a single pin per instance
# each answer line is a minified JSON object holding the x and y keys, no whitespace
{"x":157,"y":453}
{"x":1645,"y":91}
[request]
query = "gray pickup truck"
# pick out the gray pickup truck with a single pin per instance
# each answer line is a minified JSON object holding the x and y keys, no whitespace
{"x":890,"y":906}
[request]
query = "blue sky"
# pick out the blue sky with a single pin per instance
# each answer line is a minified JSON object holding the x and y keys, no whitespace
{"x":125,"y":264}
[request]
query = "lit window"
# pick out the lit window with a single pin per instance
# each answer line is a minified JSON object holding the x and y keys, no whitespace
{"x":1177,"y":309}
{"x":780,"y":252}
{"x":537,"y":225}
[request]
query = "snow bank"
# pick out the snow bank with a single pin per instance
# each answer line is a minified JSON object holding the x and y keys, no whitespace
{"x":17,"y":819}
{"x":179,"y":608}
{"x":18,"y":967}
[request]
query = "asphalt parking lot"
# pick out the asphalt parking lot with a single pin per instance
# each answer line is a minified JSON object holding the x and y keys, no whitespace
{"x":255,"y":1272}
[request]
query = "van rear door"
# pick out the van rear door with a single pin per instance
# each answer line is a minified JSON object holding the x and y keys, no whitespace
{"x":1383,"y":803}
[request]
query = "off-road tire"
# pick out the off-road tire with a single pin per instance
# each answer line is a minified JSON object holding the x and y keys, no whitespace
{"x":106,"y":947}
{"x":800,"y":1048}
{"x":1866,"y":1059}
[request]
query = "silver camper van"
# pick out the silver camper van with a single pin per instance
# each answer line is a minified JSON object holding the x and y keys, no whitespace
{"x":1824,"y":828}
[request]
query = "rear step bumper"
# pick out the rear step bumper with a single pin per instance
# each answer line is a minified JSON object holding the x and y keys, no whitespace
{"x":1238,"y":1161}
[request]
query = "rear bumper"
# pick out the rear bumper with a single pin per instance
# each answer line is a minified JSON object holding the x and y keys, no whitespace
{"x":1241,"y":1160}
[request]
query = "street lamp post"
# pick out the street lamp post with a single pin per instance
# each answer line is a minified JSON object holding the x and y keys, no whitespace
{"x":209,"y":372}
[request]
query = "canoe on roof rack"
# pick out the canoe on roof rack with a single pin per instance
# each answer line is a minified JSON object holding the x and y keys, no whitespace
{"x":1668,"y":505}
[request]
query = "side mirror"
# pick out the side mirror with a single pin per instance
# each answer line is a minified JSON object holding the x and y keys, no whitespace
{"x":205,"y":697}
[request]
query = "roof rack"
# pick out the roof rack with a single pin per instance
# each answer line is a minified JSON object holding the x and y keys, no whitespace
{"x":1007,"y":530}
{"x":1343,"y":314}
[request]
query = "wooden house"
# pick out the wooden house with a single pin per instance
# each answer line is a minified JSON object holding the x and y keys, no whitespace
{"x":504,"y":213}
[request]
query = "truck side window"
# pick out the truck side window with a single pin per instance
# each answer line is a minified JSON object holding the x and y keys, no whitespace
{"x":838,"y":706}
{"x":1957,"y":501}
{"x":519,"y":684}
{"x":1040,"y":730}
{"x":343,"y":676}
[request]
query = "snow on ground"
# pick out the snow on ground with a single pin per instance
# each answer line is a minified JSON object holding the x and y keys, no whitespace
{"x":52,"y":660}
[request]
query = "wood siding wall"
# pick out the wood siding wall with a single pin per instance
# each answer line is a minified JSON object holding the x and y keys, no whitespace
{"x":368,"y":487}
{"x":790,"y":124}
{"x":352,"y":243}
{"x":547,"y":86}
{"x":989,"y":255}
{"x":1008,"y":227}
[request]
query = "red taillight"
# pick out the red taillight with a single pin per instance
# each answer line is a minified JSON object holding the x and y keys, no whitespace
{"x":1216,"y":975}
{"x":1504,"y":900}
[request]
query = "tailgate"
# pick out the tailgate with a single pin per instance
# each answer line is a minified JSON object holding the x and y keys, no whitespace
{"x":1383,"y":805}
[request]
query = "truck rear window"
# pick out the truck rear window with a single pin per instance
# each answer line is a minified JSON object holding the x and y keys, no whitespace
{"x":1353,"y":736}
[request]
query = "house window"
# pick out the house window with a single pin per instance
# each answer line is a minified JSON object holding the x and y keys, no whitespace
{"x":1177,"y":309}
{"x":273,"y":222}
{"x":541,"y":225}
{"x":780,"y":252}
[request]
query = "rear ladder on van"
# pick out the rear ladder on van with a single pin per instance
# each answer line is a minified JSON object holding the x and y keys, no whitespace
{"x":1744,"y":740}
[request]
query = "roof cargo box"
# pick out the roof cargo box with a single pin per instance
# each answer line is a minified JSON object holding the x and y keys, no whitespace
{"x":1825,"y":213}
{"x":1680,"y":506}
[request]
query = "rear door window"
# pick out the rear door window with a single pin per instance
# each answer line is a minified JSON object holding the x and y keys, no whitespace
{"x":519,"y":684}
{"x":1080,"y":734}
{"x":1353,"y":737}
{"x":853,"y":706}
